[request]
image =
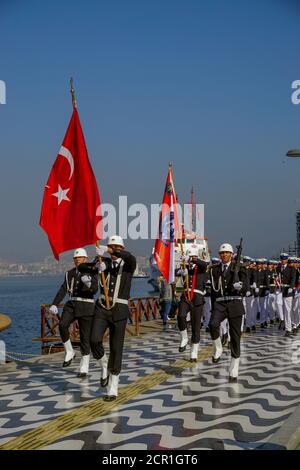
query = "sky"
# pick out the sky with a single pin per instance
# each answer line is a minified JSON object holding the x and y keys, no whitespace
{"x":203,"y":84}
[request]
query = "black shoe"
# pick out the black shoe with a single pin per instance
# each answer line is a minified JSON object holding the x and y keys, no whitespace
{"x":266,"y":324}
{"x":193,"y":360}
{"x":67,"y":363}
{"x":288,"y":334}
{"x":228,"y":345}
{"x":277,"y":320}
{"x":104,"y":382}
{"x":262,"y":325}
{"x":253,"y":328}
{"x":233,"y":380}
{"x":248,"y":330}
{"x":224,"y":339}
{"x":280,"y":326}
{"x":109,"y":397}
{"x":182,"y":348}
{"x":294,"y":331}
{"x":272,"y":322}
{"x":82,"y":375}
{"x":216,"y":359}
{"x":207,"y":330}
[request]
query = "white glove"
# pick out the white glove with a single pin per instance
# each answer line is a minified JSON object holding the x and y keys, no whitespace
{"x":87,"y":280}
{"x":184,"y":258}
{"x":238,"y":285}
{"x":290,"y":290}
{"x":101,"y":267}
{"x":184,"y":272}
{"x":100,"y":250}
{"x":256,"y":290}
{"x":53,"y":309}
{"x":248,"y":293}
{"x":253,"y":286}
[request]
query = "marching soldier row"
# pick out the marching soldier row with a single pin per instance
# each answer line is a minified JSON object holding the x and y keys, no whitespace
{"x":231,"y":293}
{"x":224,"y":292}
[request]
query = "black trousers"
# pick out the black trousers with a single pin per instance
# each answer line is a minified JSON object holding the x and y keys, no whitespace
{"x":85,"y":327}
{"x":196,"y":315}
{"x":222,"y":310}
{"x":102,"y":321}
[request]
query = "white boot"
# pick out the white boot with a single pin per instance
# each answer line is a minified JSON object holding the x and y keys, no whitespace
{"x":112,"y":388}
{"x":217,"y":350}
{"x":194,"y":352}
{"x":104,"y":374}
{"x":183,"y":340}
{"x":84,"y":366}
{"x":69,"y":353}
{"x":234,"y":369}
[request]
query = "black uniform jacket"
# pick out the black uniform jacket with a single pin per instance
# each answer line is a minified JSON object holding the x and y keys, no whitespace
{"x":288,"y":280}
{"x":227,"y":289}
{"x":262,"y":282}
{"x":120,"y":310}
{"x":74,"y":286}
{"x":199,"y":284}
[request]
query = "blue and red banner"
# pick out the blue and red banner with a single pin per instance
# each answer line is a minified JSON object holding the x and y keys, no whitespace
{"x":164,"y":251}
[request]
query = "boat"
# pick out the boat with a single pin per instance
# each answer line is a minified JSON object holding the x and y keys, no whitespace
{"x":139,"y":274}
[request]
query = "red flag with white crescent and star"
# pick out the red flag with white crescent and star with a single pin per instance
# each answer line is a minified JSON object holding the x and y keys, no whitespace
{"x":71,"y":211}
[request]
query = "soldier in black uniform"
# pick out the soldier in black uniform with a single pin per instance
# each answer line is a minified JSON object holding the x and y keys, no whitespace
{"x":196,"y":270}
{"x":207,"y":297}
{"x":271,"y":306}
{"x":227,"y":294}
{"x":288,"y":283}
{"x":81,"y":289}
{"x":118,"y":270}
{"x":263,"y":284}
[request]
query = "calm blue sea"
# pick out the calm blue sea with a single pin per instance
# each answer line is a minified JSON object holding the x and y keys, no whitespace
{"x":21,"y":297}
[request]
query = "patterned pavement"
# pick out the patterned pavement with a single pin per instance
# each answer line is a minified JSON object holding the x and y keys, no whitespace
{"x":164,"y":402}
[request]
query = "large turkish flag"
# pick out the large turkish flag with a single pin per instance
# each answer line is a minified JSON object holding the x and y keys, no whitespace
{"x":71,"y":205}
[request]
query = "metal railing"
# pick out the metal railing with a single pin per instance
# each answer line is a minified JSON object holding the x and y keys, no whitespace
{"x":140,"y":309}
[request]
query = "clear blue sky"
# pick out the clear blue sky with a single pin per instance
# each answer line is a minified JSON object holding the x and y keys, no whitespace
{"x":205,"y":84}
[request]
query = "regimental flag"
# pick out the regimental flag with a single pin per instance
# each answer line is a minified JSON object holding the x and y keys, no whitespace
{"x":71,"y":210}
{"x":164,"y":251}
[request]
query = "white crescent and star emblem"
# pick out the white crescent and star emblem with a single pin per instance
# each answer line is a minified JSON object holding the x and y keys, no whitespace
{"x":61,"y":195}
{"x":64,"y":152}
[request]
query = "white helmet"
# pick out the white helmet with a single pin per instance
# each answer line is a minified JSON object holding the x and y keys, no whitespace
{"x":226,"y":247}
{"x":79,"y":252}
{"x":115,"y":240}
{"x":192,"y":251}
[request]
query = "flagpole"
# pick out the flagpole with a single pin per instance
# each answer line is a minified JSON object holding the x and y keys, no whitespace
{"x":181,"y":245}
{"x":72,"y":91}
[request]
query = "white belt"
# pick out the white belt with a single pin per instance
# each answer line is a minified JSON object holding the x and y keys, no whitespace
{"x":81,"y":299}
{"x":285,"y":285}
{"x":221,"y":299}
{"x":202,"y":292}
{"x":118,"y":301}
